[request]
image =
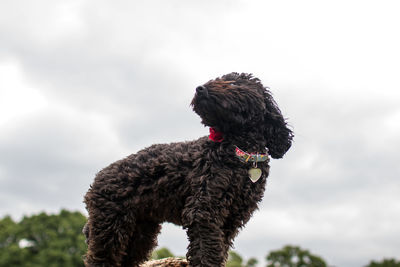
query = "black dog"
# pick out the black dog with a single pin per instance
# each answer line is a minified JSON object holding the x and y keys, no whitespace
{"x":210,"y":186}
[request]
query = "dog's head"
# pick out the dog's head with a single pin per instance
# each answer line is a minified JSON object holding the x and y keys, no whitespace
{"x":239,"y":104}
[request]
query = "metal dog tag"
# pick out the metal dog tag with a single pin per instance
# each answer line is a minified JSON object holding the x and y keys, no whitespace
{"x":255,"y":174}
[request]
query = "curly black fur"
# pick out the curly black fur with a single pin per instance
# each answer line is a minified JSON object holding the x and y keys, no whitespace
{"x":200,"y":185}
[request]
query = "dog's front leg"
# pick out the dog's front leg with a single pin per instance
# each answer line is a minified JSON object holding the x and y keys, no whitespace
{"x":205,"y":248}
{"x":203,"y":222}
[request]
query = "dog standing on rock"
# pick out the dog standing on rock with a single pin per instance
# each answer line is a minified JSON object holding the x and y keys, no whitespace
{"x":210,"y":186}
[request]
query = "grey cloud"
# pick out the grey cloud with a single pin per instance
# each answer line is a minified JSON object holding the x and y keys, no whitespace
{"x":50,"y":160}
{"x":124,"y":67}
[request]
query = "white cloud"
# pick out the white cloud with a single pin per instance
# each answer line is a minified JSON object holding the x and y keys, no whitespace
{"x":17,"y":97}
{"x":43,"y":24}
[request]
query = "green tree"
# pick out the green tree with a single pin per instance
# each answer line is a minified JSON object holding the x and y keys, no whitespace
{"x":293,"y":256}
{"x":161,"y":254}
{"x":235,"y":260}
{"x":252,"y":262}
{"x":384,"y":263}
{"x":10,"y":252}
{"x":43,"y":240}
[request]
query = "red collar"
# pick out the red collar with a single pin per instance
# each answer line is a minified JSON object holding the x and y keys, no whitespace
{"x":215,"y":135}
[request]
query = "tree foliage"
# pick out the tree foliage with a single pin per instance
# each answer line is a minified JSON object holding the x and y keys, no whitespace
{"x":384,"y":263}
{"x":161,"y":254}
{"x":235,"y":260}
{"x":43,"y":240}
{"x":293,"y":256}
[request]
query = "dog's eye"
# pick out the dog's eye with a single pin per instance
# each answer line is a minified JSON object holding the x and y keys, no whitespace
{"x":230,"y":85}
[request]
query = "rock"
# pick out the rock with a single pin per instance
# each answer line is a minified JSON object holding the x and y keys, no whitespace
{"x":167,"y":262}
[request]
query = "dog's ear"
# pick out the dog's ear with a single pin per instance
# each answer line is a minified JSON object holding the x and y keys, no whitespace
{"x":277,"y":134}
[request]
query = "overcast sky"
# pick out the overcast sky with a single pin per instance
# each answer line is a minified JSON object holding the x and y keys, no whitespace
{"x":84,"y":83}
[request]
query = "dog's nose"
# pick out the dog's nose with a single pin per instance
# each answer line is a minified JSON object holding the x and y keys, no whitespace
{"x":201,"y":90}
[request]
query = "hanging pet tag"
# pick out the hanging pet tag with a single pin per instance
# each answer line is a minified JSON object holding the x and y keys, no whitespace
{"x":254,"y":174}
